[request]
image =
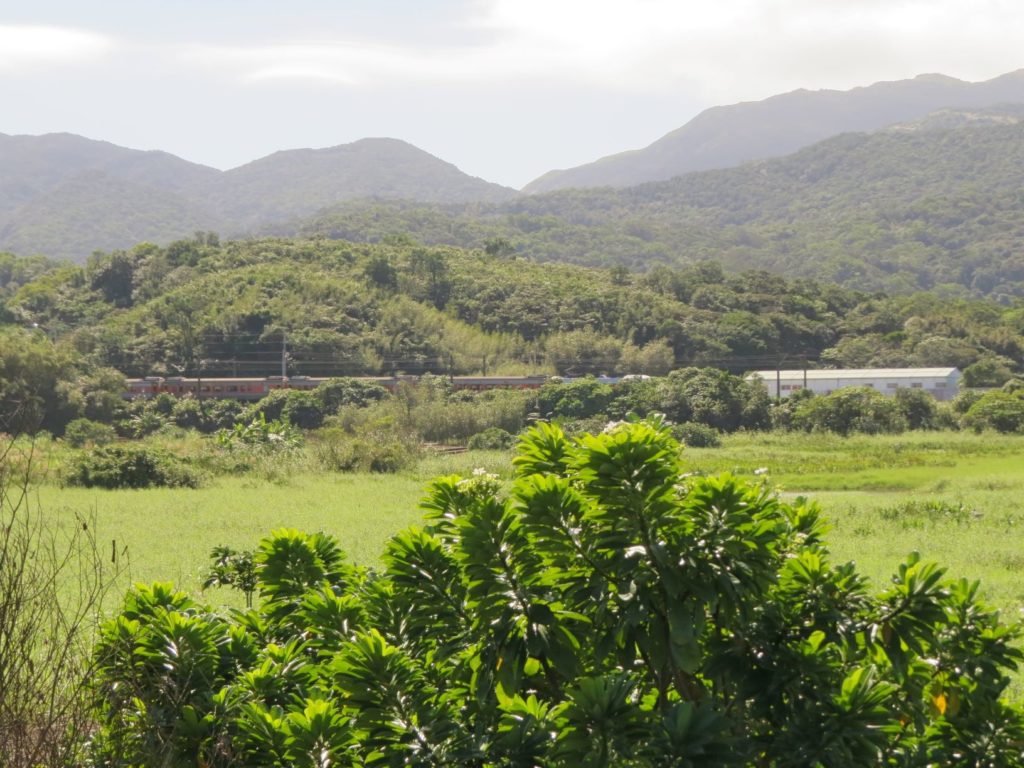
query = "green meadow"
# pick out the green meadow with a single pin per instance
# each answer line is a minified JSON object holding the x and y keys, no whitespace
{"x":955,"y":497}
{"x":958,"y":498}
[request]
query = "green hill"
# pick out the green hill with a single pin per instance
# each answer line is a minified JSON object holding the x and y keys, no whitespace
{"x":907,"y":209}
{"x":351,"y":309}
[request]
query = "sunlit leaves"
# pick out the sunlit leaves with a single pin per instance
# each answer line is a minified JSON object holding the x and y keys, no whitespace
{"x":601,"y":611}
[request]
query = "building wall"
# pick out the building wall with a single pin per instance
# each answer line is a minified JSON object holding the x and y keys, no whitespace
{"x":940,"y":387}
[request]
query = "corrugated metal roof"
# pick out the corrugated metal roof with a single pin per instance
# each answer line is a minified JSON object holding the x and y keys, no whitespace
{"x":859,"y":373}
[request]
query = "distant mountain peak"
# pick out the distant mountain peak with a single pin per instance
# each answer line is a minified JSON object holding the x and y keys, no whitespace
{"x":937,"y":77}
{"x":726,"y":136}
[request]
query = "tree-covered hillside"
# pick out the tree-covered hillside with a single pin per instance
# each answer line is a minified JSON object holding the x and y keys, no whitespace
{"x":65,"y":196}
{"x":341,"y":308}
{"x":901,"y":211}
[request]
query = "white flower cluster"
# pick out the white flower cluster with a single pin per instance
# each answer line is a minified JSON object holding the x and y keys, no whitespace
{"x":482,"y":482}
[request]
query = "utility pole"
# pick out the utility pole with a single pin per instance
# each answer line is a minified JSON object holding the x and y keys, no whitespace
{"x":284,"y":354}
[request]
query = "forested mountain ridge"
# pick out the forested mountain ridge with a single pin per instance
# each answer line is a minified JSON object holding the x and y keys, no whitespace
{"x":359,"y":309}
{"x":907,"y":209}
{"x":726,"y":136}
{"x":65,"y":196}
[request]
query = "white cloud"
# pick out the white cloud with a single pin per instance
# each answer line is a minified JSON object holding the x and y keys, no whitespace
{"x":723,"y":50}
{"x":25,"y":46}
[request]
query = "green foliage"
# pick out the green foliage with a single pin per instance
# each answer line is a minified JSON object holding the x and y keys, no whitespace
{"x":990,"y":372}
{"x":82,"y":432}
{"x":854,"y":409}
{"x":123,"y":466}
{"x":199,"y":307}
{"x":697,"y":435}
{"x":234,"y":569}
{"x":491,"y":439}
{"x":603,"y":611}
{"x":260,"y":435}
{"x":898,"y":211}
{"x":1001,"y":411}
{"x":918,"y":409}
{"x":375,"y":449}
{"x":577,"y":399}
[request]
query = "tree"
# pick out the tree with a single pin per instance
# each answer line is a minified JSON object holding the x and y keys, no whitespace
{"x":1001,"y":411}
{"x":918,"y":409}
{"x":606,"y":611}
{"x":988,"y":372}
{"x":851,"y":409}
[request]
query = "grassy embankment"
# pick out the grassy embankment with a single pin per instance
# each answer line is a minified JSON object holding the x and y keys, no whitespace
{"x":958,"y":498}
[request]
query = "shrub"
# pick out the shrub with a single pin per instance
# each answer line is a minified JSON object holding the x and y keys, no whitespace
{"x":604,"y":611}
{"x":1001,"y":411}
{"x":491,"y":439}
{"x":715,"y":398}
{"x":988,"y":372}
{"x":852,"y":409}
{"x":303,"y":410}
{"x":581,"y":399}
{"x":697,"y":435}
{"x":374,"y":451}
{"x":190,"y":413}
{"x":223,"y":413}
{"x":918,"y":409}
{"x":260,"y":435}
{"x":142,"y":422}
{"x":336,"y":393}
{"x":129,"y":467}
{"x":962,"y":403}
{"x":82,"y":432}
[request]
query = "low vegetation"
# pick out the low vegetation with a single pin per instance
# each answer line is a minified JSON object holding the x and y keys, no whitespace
{"x":600,"y":612}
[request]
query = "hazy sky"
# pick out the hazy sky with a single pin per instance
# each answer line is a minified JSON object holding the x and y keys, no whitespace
{"x":505,"y":89}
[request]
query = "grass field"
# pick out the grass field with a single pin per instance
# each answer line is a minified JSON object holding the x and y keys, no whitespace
{"x":166,"y":534}
{"x":958,"y":498}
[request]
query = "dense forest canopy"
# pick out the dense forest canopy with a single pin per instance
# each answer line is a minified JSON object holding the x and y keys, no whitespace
{"x":340,"y":308}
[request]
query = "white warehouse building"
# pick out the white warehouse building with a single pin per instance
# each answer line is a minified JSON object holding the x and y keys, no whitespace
{"x":942,"y":383}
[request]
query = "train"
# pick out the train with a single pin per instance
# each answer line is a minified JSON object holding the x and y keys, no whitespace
{"x":257,"y":388}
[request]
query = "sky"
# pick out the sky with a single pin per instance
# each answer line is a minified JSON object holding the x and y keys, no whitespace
{"x":504,"y":89}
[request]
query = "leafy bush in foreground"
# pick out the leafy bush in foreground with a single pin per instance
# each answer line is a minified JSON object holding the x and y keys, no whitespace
{"x":605,"y":611}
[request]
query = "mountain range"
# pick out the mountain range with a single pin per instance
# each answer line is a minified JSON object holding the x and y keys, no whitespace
{"x":933,"y":204}
{"x":63,"y":195}
{"x":722,"y":137}
{"x":66,"y":196}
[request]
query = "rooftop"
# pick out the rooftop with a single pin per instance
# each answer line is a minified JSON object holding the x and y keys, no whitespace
{"x":858,"y":373}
